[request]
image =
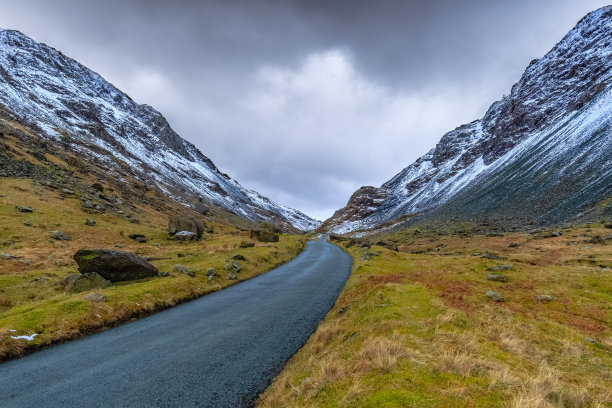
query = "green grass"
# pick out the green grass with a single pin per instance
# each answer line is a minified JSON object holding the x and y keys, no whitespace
{"x":31,"y":301}
{"x":415,"y":328}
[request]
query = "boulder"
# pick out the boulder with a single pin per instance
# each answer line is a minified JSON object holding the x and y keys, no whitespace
{"x":94,"y":297}
{"x":60,"y":236}
{"x":239,"y":257}
{"x":514,"y":244}
{"x":495,"y":296}
{"x":140,"y":238}
{"x":116,"y":266}
{"x":268,"y":236}
{"x":211,"y":273}
{"x":497,"y":277}
{"x":236,"y":266}
{"x":232,"y":276}
{"x":597,"y":239}
{"x":24,"y":209}
{"x":501,"y":268}
{"x":246,"y":244}
{"x":184,"y":270}
{"x":76,"y":282}
{"x":544,"y":298}
{"x":185,"y":236}
{"x":182,"y":222}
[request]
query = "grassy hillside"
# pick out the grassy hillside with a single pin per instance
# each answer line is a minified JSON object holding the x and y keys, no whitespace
{"x":415,"y":328}
{"x":33,"y":302}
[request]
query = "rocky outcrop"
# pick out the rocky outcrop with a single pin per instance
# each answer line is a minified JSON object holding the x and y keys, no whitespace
{"x":114,"y":266}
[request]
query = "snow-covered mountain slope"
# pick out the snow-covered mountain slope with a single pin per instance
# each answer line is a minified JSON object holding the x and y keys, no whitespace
{"x":546,"y":108}
{"x":65,"y":101}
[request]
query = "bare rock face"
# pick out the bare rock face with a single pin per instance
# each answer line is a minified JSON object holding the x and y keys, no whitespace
{"x":114,"y":266}
{"x":552,"y":130}
{"x":50,"y":91}
{"x":179,"y":223}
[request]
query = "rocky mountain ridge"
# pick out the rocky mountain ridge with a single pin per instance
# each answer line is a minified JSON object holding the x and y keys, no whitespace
{"x":65,"y":102}
{"x":570,"y":83}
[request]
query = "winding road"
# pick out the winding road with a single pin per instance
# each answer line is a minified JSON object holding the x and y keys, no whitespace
{"x":221,"y":350}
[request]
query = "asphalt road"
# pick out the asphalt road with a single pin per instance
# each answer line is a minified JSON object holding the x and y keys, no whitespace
{"x":221,"y":350}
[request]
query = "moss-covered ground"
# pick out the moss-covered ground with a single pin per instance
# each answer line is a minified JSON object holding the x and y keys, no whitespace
{"x":415,"y":328}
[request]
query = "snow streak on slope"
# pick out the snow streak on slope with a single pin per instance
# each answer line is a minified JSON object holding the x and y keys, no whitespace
{"x":551,"y":91}
{"x":64,"y":100}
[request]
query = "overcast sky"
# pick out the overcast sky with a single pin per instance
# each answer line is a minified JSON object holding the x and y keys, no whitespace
{"x":305,"y":101}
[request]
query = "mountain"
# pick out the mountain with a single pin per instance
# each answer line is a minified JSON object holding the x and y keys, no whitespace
{"x":540,"y":155}
{"x":66,"y":103}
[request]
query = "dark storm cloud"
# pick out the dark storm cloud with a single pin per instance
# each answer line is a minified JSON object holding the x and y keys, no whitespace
{"x":305,"y":101}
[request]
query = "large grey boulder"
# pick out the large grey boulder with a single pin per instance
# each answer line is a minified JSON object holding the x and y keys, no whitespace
{"x":115,"y":266}
{"x":181,"y":222}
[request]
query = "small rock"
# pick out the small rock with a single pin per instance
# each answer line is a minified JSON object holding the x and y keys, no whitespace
{"x":608,"y":238}
{"x":556,"y":234}
{"x":27,"y":223}
{"x":501,"y":268}
{"x":491,"y":255}
{"x":232,"y":276}
{"x":90,"y":222}
{"x":476,"y":254}
{"x":495,"y":296}
{"x":184,"y":270}
{"x":544,"y":298}
{"x":157,"y":244}
{"x":236,"y":266}
{"x":211,"y":273}
{"x":25,"y":262}
{"x":140,"y":238}
{"x":185,"y":236}
{"x":597,"y":344}
{"x":239,"y":257}
{"x":245,"y":244}
{"x":344,"y":309}
{"x":76,"y":282}
{"x":97,"y":187}
{"x":514,"y":244}
{"x":24,"y":209}
{"x":67,"y":191}
{"x":119,"y":245}
{"x":597,"y":239}
{"x":61,"y":236}
{"x":94,"y":297}
{"x":227,"y":267}
{"x":163,"y":274}
{"x":497,"y":277}
{"x":8,"y":257}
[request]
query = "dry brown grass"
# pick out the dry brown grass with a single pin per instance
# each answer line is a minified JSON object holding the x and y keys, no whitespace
{"x":427,"y":335}
{"x":380,"y":353}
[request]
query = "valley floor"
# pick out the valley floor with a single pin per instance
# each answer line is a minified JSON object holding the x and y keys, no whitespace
{"x":416,"y":328}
